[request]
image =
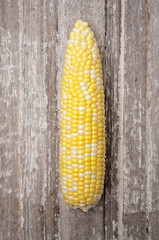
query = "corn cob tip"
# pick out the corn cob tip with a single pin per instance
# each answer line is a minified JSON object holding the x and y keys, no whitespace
{"x":82,"y":140}
{"x":80,"y":23}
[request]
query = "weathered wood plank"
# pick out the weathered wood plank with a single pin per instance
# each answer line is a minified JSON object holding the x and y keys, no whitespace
{"x":33,"y":121}
{"x":74,"y":224}
{"x":152,"y":120}
{"x":9,"y":121}
{"x":134,"y":157}
{"x":38,"y":120}
{"x":126,"y":69}
{"x":52,"y":133}
{"x":32,"y":46}
{"x":112,"y":53}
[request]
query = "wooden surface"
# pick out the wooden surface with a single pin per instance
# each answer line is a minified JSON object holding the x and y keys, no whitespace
{"x":33,"y":38}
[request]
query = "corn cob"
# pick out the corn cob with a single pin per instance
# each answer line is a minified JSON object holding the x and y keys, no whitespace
{"x":82,"y":141}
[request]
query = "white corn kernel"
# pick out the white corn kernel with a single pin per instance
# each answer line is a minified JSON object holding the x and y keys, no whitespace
{"x":81,"y":108}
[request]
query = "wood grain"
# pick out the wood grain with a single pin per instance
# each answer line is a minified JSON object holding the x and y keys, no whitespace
{"x":126,"y":197}
{"x":29,"y":145}
{"x":152,"y":122}
{"x":52,"y":134}
{"x":112,"y":53}
{"x":38,"y":119}
{"x":33,"y":36}
{"x":9,"y":122}
{"x":33,"y":122}
{"x":134,"y":166}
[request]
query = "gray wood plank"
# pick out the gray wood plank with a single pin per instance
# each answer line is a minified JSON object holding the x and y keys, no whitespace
{"x":152,"y":121}
{"x":9,"y":121}
{"x":134,"y":157}
{"x":112,"y":86}
{"x":33,"y":121}
{"x":75,"y":224}
{"x":50,"y":70}
{"x":126,"y":119}
{"x":32,"y":47}
{"x":38,"y":120}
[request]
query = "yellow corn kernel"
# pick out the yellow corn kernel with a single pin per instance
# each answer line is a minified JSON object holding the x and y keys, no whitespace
{"x":82,"y":140}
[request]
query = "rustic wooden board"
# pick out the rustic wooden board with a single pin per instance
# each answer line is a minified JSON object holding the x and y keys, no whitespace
{"x":32,"y":122}
{"x":134,"y":120}
{"x":152,"y":122}
{"x":29,"y":127}
{"x":51,"y":207}
{"x":75,"y":224}
{"x":33,"y":36}
{"x":112,"y":53}
{"x":38,"y":120}
{"x":129,"y":184}
{"x":9,"y":118}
